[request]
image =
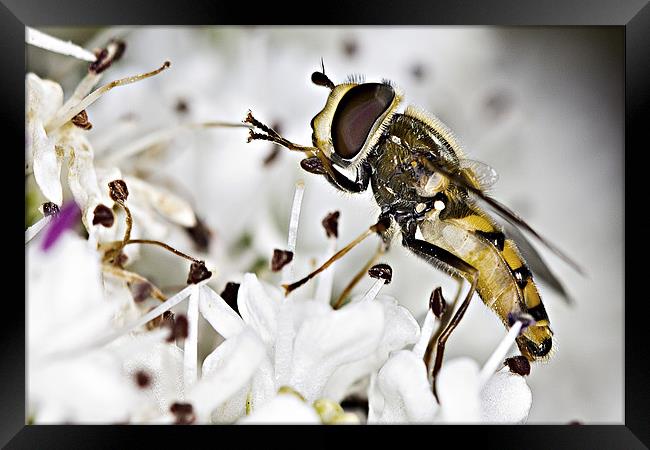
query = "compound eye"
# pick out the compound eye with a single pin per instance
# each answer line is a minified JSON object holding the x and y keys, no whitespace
{"x":355,"y":115}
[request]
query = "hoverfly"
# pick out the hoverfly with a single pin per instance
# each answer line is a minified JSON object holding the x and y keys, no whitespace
{"x":422,"y":182}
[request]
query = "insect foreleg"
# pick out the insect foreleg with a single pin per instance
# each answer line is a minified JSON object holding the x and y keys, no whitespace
{"x":432,"y":253}
{"x":380,"y":227}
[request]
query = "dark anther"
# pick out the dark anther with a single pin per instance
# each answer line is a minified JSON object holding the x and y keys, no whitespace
{"x":142,"y":378}
{"x":179,"y":328}
{"x":181,"y":106}
{"x":102,"y":215}
{"x":184,"y":413}
{"x":518,"y":364}
{"x":49,"y":209}
{"x":280,"y":259}
{"x":350,"y":48}
{"x":81,"y":120}
{"x":525,"y":319}
{"x":118,"y":190}
{"x":418,"y":72}
{"x":313,"y":165}
{"x":141,"y":290}
{"x":200,"y":235}
{"x":437,"y":303}
{"x":331,"y":224}
{"x":120,"y":260}
{"x":575,"y":422}
{"x":229,"y":294}
{"x":105,"y":57}
{"x":198,"y":273}
{"x":320,"y":79}
{"x":381,"y":271}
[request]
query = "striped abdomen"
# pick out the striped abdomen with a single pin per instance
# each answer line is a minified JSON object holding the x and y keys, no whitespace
{"x":505,"y":284}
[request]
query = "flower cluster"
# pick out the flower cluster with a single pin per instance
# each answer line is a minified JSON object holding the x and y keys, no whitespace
{"x":106,"y":345}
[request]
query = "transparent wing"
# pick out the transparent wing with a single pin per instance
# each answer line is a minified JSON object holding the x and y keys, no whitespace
{"x":534,"y":260}
{"x":484,"y":175}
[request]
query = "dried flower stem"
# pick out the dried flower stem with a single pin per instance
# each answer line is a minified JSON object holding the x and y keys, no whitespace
{"x":63,"y":117}
{"x":163,"y":245}
{"x":162,"y":136}
{"x":133,"y":277}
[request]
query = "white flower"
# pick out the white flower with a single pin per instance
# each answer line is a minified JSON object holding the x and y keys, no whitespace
{"x":66,"y":308}
{"x":401,"y":391}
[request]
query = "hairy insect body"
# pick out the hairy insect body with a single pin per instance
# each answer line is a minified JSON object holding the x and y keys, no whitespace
{"x":452,"y":221}
{"x":421,"y":180}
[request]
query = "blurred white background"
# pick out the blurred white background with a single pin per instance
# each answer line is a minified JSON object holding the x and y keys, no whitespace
{"x":543,"y":106}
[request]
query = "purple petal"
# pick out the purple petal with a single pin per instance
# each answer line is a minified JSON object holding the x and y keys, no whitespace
{"x":67,"y":218}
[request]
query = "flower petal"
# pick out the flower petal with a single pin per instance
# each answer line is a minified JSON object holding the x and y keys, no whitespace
{"x":225,"y":371}
{"x":400,"y":330}
{"x":169,"y":205}
{"x":215,"y":310}
{"x":324,"y":343}
{"x":258,"y":309}
{"x":284,"y":408}
{"x":401,"y":392}
{"x":505,"y":398}
{"x":82,"y":178}
{"x":458,"y":391}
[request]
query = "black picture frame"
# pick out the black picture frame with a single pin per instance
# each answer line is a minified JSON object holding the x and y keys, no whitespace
{"x":633,"y":17}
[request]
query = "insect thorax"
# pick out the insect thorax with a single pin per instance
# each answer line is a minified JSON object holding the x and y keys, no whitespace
{"x":399,"y":179}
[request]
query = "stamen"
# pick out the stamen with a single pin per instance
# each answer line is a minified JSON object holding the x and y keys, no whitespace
{"x":36,"y":228}
{"x":331,"y":224}
{"x":427,"y":330}
{"x":49,"y":209}
{"x":381,"y":271}
{"x":287,"y":271}
{"x":161,"y":136}
{"x":499,"y":353}
{"x":280,"y":259}
{"x":518,"y":364}
{"x":142,"y":379}
{"x":133,"y":278}
{"x":437,"y":303}
{"x":184,"y":413}
{"x":47,"y":42}
{"x":198,"y":273}
{"x":102,"y":215}
{"x":179,"y":328}
{"x":326,"y":280}
{"x":157,"y":311}
{"x":374,"y":290}
{"x":61,"y":118}
{"x":190,"y":350}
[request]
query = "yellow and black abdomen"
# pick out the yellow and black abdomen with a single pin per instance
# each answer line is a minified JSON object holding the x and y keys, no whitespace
{"x":505,"y":284}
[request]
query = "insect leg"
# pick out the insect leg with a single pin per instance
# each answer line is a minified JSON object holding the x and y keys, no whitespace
{"x":337,"y":179}
{"x":316,"y":162}
{"x":445,"y":319}
{"x":433,"y":253}
{"x":380,"y":251}
{"x":382,"y":225}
